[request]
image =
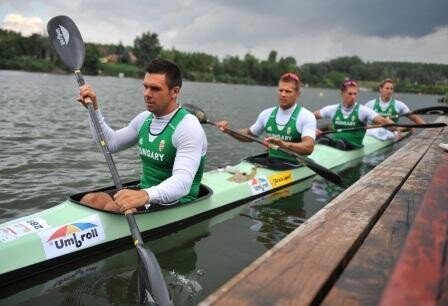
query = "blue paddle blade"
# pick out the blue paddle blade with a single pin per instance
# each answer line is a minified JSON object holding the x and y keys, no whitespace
{"x":67,"y":41}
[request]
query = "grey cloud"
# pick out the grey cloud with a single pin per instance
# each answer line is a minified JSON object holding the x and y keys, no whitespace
{"x":383,"y":18}
{"x":310,"y":30}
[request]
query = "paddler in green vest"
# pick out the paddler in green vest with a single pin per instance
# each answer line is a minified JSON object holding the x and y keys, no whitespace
{"x":348,"y":114}
{"x":389,"y":107}
{"x":288,"y":125}
{"x":170,"y":141}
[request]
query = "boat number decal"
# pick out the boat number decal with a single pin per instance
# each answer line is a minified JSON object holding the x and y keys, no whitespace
{"x":259,"y":184}
{"x":13,"y":231}
{"x":280,"y":179}
{"x":72,"y":237}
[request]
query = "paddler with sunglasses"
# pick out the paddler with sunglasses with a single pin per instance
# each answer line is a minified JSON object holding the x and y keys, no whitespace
{"x":348,"y":114}
{"x":287,"y":125}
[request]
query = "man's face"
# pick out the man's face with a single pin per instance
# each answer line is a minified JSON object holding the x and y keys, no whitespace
{"x":159,"y":99}
{"x":386,"y":91}
{"x":287,"y":94}
{"x":349,"y":96}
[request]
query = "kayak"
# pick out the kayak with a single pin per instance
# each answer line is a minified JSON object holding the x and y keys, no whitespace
{"x":29,"y":291}
{"x":71,"y":232}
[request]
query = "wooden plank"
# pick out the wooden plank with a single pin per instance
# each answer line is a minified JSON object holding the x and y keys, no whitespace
{"x":302,"y":268}
{"x":364,"y":279}
{"x":422,"y":268}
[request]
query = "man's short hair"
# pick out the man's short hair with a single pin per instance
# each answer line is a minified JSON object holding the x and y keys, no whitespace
{"x":388,"y":80}
{"x":169,"y":69}
{"x":292,"y":77}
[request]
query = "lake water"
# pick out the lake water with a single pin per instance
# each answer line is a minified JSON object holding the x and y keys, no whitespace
{"x":46,"y":153}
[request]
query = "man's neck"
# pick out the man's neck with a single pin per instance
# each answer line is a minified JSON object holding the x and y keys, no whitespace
{"x":167,"y":111}
{"x":347,"y":105}
{"x":385,"y":99}
{"x":288,"y":108}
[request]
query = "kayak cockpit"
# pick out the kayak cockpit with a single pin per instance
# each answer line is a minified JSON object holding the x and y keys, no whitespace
{"x":276,"y":164}
{"x":204,"y":192}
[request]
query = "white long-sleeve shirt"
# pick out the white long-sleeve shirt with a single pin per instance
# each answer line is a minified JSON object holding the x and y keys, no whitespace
{"x":189,"y":140}
{"x":305,"y":123}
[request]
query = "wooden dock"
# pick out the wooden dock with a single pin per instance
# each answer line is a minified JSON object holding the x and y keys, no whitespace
{"x":383,"y":241}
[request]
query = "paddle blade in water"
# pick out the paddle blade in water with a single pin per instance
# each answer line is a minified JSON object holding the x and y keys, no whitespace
{"x":194,"y":110}
{"x":151,"y":278}
{"x":67,"y":41}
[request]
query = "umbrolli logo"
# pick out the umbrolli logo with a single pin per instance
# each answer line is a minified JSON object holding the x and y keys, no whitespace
{"x":76,"y":239}
{"x":62,"y":35}
{"x":72,"y":236}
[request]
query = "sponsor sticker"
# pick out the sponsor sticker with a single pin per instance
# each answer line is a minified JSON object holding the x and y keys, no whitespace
{"x":280,"y":179}
{"x":72,"y":237}
{"x":14,"y":231}
{"x":259,"y":184}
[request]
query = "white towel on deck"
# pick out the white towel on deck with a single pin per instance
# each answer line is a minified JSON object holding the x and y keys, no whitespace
{"x":381,"y":133}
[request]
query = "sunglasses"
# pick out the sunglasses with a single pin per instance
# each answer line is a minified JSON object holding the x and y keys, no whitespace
{"x":291,"y":75}
{"x":348,"y":83}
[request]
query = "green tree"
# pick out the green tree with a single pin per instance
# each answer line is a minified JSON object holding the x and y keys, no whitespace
{"x":146,"y":48}
{"x":272,"y":58}
{"x":91,"y":59}
{"x":10,"y":44}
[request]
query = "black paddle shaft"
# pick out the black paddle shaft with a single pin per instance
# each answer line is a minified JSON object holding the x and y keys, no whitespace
{"x":418,"y":126}
{"x":101,"y":139}
{"x":70,"y":47}
{"x":322,"y":171}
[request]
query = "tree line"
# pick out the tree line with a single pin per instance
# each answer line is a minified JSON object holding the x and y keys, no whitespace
{"x":35,"y":53}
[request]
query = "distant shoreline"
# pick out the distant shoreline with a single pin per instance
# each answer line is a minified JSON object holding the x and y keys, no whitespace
{"x":361,"y":88}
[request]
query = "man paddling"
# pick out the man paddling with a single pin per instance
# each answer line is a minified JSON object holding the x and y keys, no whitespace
{"x":288,"y":125}
{"x":348,"y":114}
{"x":387,"y":106}
{"x":171,"y":144}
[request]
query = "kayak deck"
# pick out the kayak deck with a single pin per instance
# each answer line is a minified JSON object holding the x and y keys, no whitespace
{"x":70,"y":231}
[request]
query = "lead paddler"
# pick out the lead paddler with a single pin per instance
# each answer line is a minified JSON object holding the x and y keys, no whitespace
{"x":348,"y":114}
{"x":170,"y":141}
{"x":287,"y":125}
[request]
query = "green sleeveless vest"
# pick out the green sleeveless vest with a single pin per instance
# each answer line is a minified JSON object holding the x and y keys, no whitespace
{"x":390,"y":110}
{"x":339,"y":122}
{"x":158,"y":153}
{"x":287,"y":132}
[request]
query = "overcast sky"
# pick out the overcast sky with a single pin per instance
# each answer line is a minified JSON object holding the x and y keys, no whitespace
{"x":309,"y":31}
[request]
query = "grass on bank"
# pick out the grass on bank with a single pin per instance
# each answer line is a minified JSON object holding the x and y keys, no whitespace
{"x":127,"y":70}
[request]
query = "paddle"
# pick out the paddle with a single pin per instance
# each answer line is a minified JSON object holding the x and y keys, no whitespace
{"x":322,"y":171}
{"x":418,"y":126}
{"x":69,"y":45}
{"x":432,"y":110}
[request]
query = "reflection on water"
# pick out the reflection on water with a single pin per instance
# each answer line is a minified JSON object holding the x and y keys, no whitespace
{"x":46,"y":152}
